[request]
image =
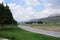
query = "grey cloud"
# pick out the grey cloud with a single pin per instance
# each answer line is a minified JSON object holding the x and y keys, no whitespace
{"x":55,"y":3}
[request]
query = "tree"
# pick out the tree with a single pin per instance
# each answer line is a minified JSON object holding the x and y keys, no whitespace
{"x":6,"y":15}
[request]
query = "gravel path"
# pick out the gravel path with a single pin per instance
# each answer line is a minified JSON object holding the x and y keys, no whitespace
{"x":50,"y":33}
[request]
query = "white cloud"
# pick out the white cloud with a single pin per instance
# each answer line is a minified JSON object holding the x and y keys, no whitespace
{"x":20,"y":13}
{"x":23,"y":14}
{"x":52,"y":3}
{"x":32,"y":2}
{"x":51,"y":7}
{"x":1,"y":1}
{"x":16,"y":10}
{"x":47,"y":12}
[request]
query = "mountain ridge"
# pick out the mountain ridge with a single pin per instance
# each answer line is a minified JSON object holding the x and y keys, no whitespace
{"x":55,"y":18}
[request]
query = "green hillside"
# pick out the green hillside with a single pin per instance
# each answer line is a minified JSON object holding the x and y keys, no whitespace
{"x":53,"y":19}
{"x":50,"y":19}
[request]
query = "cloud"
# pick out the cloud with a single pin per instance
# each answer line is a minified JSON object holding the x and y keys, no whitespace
{"x":1,"y":1}
{"x":32,"y":2}
{"x":51,"y":7}
{"x":20,"y":13}
{"x":52,"y":3}
{"x":24,"y":14}
{"x":16,"y":10}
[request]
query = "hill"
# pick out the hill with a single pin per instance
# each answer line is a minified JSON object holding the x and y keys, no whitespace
{"x":52,"y":19}
{"x":55,"y":18}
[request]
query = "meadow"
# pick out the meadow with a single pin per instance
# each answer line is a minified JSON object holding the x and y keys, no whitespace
{"x":48,"y":27}
{"x":12,"y":32}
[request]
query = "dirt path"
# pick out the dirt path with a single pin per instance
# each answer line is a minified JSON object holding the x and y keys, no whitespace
{"x":50,"y":33}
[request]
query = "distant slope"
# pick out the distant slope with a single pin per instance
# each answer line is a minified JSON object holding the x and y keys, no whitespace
{"x":51,"y":19}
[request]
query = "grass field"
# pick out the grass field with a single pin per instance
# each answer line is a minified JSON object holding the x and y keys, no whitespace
{"x":20,"y":34}
{"x":58,"y":25}
{"x":48,"y":27}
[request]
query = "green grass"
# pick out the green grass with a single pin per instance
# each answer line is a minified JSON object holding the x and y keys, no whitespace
{"x":58,"y":25}
{"x":20,"y":34}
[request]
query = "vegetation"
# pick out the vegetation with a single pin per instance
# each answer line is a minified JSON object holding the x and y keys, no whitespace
{"x":53,"y":20}
{"x":47,"y":27}
{"x":12,"y":32}
{"x":5,"y":19}
{"x":49,"y":20}
{"x":6,"y":15}
{"x":18,"y":34}
{"x":44,"y":25}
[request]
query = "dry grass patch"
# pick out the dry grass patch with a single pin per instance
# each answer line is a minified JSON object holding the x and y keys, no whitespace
{"x":45,"y":27}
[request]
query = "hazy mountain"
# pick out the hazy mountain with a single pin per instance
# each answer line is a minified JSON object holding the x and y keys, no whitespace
{"x":54,"y":18}
{"x":57,"y":14}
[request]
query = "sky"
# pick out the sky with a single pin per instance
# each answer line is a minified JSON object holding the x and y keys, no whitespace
{"x":24,"y":10}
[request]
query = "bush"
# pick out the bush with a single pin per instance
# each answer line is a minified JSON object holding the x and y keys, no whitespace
{"x":11,"y":37}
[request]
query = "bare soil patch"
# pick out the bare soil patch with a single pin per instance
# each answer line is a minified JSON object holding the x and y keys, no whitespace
{"x":48,"y":28}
